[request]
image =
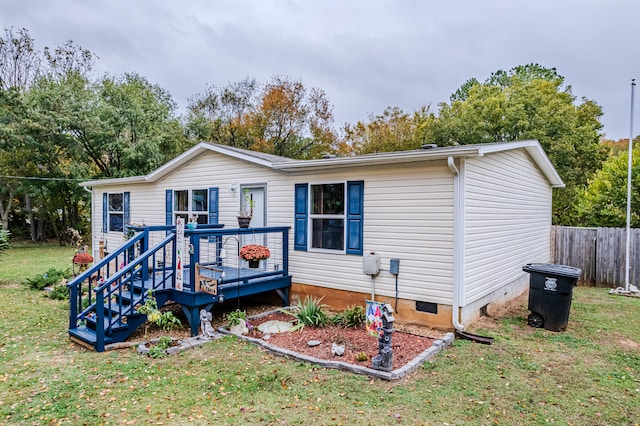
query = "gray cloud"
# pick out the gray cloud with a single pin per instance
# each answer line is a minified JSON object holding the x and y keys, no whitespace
{"x":365,"y":54}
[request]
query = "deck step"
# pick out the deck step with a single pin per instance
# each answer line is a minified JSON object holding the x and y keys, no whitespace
{"x":139,"y":286}
{"x":116,"y":326}
{"x":86,"y":335}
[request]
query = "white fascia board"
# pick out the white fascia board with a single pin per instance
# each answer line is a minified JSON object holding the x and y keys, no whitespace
{"x":177,"y":162}
{"x":197,"y":150}
{"x":116,"y":181}
{"x":396,"y":157}
{"x":534,"y":149}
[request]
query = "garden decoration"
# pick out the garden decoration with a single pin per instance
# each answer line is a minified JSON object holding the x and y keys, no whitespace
{"x":254,"y":253}
{"x":193,"y":221}
{"x":383,"y":361}
{"x":205,"y":323}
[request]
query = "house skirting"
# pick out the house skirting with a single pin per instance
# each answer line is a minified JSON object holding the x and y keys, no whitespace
{"x":406,"y":312}
{"x":493,"y":301}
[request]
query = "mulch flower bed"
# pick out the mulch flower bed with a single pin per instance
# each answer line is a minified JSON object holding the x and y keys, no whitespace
{"x":406,"y":346}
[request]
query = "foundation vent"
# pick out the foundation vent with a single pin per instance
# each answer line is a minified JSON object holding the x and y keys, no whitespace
{"x":484,"y":310}
{"x":428,"y":307}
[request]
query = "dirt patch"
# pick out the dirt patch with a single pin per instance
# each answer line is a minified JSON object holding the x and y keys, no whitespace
{"x":629,"y":344}
{"x":513,"y":308}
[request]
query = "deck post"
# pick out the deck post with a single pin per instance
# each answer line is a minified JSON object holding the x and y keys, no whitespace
{"x":73,"y":306}
{"x":285,"y":251}
{"x":144,"y":246}
{"x":100,"y":321}
{"x":194,"y":257}
{"x":174,"y":263}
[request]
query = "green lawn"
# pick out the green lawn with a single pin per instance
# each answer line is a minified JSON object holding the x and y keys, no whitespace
{"x":25,"y":259}
{"x":589,"y":375}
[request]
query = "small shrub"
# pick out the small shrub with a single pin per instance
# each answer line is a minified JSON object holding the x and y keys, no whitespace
{"x":234,"y":317}
{"x":159,"y":350}
{"x":351,"y":317}
{"x":51,"y":278}
{"x":361,"y":356}
{"x":165,"y":320}
{"x":168,"y":321}
{"x":309,"y":313}
{"x":59,"y":292}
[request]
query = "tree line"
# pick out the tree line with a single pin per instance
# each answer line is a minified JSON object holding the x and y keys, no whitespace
{"x":59,"y":125}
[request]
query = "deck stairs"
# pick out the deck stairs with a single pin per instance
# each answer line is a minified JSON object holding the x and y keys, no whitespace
{"x":104,"y":299}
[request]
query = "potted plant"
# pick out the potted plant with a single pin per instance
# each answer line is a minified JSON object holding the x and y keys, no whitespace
{"x":237,"y":321}
{"x":246,"y":209}
{"x":254,"y":253}
{"x":82,"y":260}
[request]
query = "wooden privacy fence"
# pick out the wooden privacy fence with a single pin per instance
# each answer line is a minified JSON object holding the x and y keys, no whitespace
{"x":599,"y":252}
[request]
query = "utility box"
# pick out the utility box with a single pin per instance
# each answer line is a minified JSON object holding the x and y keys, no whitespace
{"x":371,"y":263}
{"x":394,"y":266}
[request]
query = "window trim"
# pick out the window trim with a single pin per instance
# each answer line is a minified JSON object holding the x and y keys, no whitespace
{"x":190,"y":211}
{"x":311,"y":216}
{"x":111,"y":213}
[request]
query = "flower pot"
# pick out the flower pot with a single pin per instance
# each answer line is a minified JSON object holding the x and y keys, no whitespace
{"x":192,"y":225}
{"x":243,"y":222}
{"x":254,"y":263}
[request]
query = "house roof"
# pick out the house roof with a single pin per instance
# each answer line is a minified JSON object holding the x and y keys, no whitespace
{"x":289,"y":165}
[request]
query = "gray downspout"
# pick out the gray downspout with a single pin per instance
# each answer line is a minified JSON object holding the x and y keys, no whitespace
{"x":458,"y":244}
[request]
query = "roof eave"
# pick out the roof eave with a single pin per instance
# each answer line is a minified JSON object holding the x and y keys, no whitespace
{"x":374,"y":159}
{"x":104,"y":182}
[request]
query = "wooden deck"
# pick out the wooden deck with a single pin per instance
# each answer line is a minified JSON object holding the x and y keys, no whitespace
{"x":103,"y":299}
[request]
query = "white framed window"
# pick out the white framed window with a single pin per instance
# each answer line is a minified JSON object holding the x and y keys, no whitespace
{"x":327,"y":215}
{"x":191,"y":202}
{"x":115,"y":212}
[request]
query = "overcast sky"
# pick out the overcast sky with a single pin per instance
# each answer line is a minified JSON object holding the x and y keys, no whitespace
{"x":366,"y":55}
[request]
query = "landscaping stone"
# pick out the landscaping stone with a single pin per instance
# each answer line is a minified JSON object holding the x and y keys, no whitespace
{"x":273,"y":327}
{"x":182,"y":345}
{"x":336,"y":349}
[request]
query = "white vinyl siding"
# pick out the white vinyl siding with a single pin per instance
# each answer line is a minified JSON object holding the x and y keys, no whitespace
{"x":142,"y":202}
{"x":407,"y":215}
{"x":507,"y":220}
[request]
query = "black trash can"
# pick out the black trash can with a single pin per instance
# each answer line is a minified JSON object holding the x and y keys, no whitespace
{"x":550,"y":292}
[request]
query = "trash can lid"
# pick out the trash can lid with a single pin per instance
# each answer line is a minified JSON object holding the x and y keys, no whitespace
{"x":553,"y":269}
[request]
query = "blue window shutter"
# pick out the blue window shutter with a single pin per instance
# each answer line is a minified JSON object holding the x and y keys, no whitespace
{"x":105,"y":215}
{"x":355,"y":210}
{"x":126,"y":210}
{"x":301,"y":216}
{"x":169,"y":207}
{"x":213,"y":206}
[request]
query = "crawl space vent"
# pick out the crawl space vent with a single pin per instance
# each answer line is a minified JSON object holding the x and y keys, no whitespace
{"x":428,"y":307}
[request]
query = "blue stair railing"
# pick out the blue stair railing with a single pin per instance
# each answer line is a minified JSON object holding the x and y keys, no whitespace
{"x":107,"y":294}
{"x":104,"y":300}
